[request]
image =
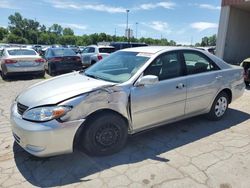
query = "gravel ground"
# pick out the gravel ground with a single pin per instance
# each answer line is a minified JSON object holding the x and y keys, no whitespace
{"x":191,"y":153}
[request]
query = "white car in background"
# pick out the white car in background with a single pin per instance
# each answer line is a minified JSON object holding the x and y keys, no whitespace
{"x":21,"y":61}
{"x":92,"y":54}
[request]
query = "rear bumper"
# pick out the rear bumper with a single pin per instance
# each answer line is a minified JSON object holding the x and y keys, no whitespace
{"x":238,"y":90}
{"x":44,"y":139}
{"x":67,"y":67}
{"x":9,"y":69}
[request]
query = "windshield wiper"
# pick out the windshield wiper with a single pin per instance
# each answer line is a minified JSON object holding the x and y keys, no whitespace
{"x":92,"y":76}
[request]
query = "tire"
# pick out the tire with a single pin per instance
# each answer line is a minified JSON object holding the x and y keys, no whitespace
{"x":42,"y":74}
{"x":51,"y":70}
{"x":3,"y":75}
{"x":105,"y":134}
{"x":219,"y":107}
{"x":92,"y":63}
{"x":247,"y":83}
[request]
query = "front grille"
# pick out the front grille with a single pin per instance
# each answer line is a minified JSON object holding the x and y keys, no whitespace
{"x":21,"y":108}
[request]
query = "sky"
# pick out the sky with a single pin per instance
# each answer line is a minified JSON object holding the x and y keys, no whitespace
{"x":183,"y":21}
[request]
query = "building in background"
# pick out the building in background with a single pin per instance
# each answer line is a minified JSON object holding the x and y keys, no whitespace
{"x":233,"y":43}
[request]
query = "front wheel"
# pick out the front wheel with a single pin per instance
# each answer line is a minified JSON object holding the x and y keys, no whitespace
{"x":105,"y":134}
{"x":219,"y":107}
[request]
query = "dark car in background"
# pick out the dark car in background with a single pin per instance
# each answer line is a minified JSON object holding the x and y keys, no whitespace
{"x":123,"y":45}
{"x":246,"y":66}
{"x":60,"y":60}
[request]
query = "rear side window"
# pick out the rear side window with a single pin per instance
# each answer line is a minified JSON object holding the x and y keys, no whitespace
{"x":63,"y":52}
{"x":197,"y":63}
{"x":106,"y":50}
{"x":17,"y":52}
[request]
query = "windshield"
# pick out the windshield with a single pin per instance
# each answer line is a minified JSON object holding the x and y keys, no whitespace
{"x":119,"y":67}
{"x":21,"y":52}
{"x":63,"y":52}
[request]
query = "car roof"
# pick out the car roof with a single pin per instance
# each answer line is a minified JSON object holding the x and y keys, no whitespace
{"x":59,"y":48}
{"x":17,"y":48}
{"x":155,"y":49}
{"x":247,"y":60}
{"x":100,"y":46}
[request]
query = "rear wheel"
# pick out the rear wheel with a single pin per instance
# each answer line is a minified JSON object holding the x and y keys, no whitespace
{"x":105,"y":134}
{"x":42,"y":74}
{"x":247,"y":83}
{"x":93,"y":62}
{"x":219,"y":107}
{"x":51,"y":70}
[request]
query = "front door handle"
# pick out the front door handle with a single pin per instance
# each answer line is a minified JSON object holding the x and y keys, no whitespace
{"x":218,"y":77}
{"x":180,"y":86}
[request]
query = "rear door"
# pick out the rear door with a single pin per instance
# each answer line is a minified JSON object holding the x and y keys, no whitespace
{"x":163,"y":101}
{"x":86,"y":55}
{"x":203,"y":81}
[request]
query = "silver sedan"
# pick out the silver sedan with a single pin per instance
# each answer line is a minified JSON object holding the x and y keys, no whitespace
{"x":130,"y":91}
{"x":20,"y":61}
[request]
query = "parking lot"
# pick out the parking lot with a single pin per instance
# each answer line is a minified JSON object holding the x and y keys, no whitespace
{"x":191,"y":153}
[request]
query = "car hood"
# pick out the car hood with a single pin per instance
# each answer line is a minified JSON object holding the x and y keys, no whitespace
{"x":58,"y":89}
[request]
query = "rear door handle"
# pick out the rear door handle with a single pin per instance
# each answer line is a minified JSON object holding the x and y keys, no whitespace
{"x":180,"y":86}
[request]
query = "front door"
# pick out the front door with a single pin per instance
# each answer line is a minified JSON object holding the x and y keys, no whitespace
{"x":155,"y":104}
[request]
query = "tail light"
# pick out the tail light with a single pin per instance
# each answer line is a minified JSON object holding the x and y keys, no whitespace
{"x":40,"y":60}
{"x":9,"y":61}
{"x":99,"y":57}
{"x":56,"y":59}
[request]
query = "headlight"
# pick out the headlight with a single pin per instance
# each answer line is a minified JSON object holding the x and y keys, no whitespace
{"x":46,"y":113}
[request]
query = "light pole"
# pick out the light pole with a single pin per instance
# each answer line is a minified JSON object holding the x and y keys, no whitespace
{"x":127,"y":18}
{"x":136,"y":27}
{"x":127,"y":29}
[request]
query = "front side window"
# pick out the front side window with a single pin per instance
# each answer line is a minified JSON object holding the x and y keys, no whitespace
{"x":119,"y":67}
{"x":197,"y":63}
{"x":91,"y":50}
{"x":165,"y":66}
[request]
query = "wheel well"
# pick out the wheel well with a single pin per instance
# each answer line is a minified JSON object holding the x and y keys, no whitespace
{"x":90,"y":117}
{"x":229,"y":93}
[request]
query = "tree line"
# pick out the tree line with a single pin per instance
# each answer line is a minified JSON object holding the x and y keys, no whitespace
{"x":207,"y":41}
{"x":28,"y":31}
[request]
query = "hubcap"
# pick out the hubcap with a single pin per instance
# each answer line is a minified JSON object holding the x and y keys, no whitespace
{"x":221,"y":106}
{"x":107,"y":135}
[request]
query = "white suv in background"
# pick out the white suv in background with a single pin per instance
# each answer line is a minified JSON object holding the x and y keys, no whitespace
{"x":92,"y":54}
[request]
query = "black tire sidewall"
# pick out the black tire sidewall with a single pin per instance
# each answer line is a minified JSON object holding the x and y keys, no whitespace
{"x":89,"y":142}
{"x":51,"y":70}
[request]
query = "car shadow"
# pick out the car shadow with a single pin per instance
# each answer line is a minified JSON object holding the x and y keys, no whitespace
{"x":76,"y":167}
{"x":22,"y":77}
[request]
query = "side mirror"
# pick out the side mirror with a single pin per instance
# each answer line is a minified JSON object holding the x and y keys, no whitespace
{"x":147,"y":80}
